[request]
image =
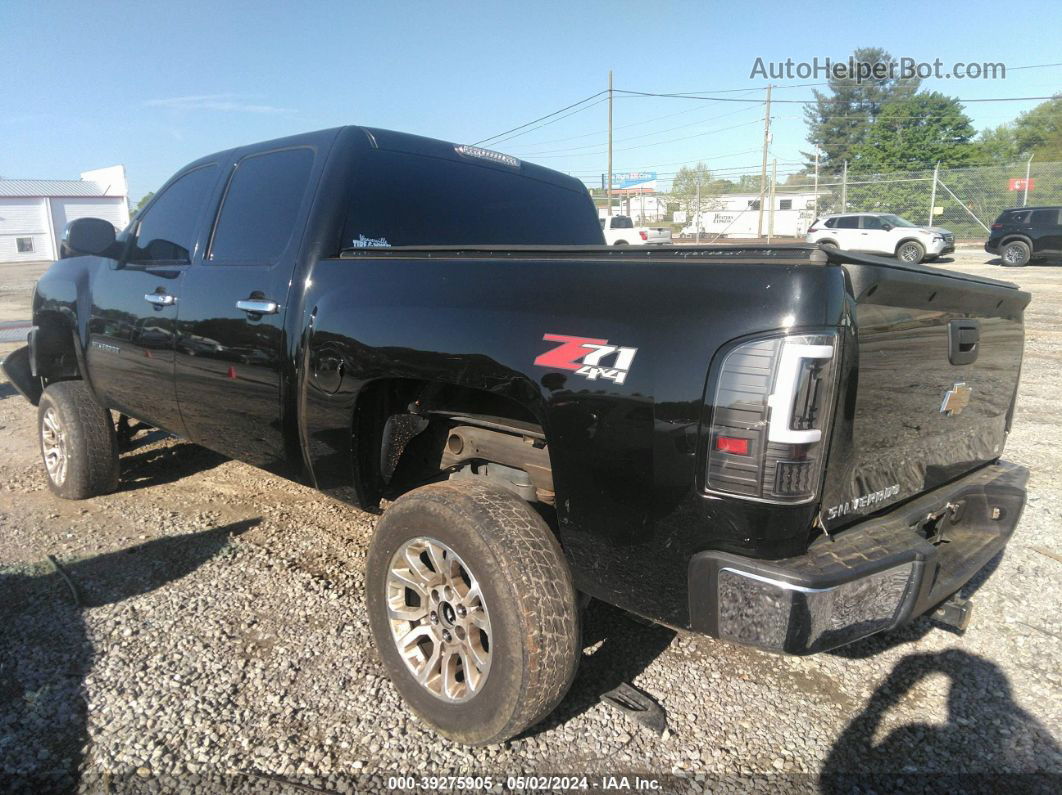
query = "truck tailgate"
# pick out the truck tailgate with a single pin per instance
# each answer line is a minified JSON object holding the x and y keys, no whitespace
{"x":931,"y":367}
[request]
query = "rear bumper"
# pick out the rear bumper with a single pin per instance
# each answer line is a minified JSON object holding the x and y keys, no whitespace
{"x":872,"y":577}
{"x":992,"y":246}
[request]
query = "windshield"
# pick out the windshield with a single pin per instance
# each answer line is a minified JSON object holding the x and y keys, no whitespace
{"x":896,"y":220}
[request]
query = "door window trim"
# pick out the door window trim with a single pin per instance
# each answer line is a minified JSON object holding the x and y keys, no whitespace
{"x":132,"y":233}
{"x":208,"y":250}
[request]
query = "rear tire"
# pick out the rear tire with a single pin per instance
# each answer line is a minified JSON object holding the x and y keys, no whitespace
{"x":910,"y":252}
{"x":621,"y":243}
{"x":1015,"y":254}
{"x":78,"y":443}
{"x":501,"y":606}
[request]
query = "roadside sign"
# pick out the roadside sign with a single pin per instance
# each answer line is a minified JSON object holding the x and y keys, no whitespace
{"x":1021,"y":184}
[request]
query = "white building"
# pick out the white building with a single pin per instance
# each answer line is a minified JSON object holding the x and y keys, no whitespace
{"x":34,"y":212}
{"x":737,"y":215}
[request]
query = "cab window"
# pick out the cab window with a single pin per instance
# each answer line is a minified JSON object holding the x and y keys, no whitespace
{"x":166,"y":232}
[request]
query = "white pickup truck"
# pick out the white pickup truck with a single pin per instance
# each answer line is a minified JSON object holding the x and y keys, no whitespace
{"x":620,"y":231}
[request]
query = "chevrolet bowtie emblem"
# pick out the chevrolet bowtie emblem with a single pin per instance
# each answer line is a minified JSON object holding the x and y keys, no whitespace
{"x":956,"y":399}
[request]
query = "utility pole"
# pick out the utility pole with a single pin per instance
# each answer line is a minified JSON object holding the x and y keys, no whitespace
{"x":774,"y":188}
{"x":815,"y":198}
{"x":1028,"y":170}
{"x":697,"y":211}
{"x":933,"y":194}
{"x":610,"y":142}
{"x":763,"y":165}
{"x":844,"y":188}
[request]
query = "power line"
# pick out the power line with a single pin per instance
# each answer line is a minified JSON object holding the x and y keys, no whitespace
{"x":800,"y":101}
{"x":541,"y":118}
{"x":643,"y":135}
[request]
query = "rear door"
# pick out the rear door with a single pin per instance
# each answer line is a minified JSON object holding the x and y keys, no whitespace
{"x":931,"y":367}
{"x":846,"y":230}
{"x":230,"y":350}
{"x":134,"y":302}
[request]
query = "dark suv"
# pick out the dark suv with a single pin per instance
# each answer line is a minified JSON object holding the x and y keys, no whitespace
{"x":1026,"y":233}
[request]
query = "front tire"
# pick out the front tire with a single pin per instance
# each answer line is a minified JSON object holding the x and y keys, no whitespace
{"x":1015,"y":254}
{"x":78,"y":443}
{"x":473,"y":610}
{"x":911,"y":252}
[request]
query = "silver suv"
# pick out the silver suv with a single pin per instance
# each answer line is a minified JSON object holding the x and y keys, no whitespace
{"x":882,"y":233}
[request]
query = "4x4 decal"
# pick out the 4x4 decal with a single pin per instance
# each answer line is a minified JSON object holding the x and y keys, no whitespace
{"x":585,"y":356}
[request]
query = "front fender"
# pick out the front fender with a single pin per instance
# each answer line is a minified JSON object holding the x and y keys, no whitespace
{"x":18,"y":368}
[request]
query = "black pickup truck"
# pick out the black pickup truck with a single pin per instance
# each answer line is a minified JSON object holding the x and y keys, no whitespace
{"x":774,"y":445}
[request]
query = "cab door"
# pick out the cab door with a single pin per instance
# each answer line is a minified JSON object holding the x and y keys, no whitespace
{"x":135,"y":299}
{"x":1047,"y":229}
{"x":873,"y":235}
{"x":231,"y":341}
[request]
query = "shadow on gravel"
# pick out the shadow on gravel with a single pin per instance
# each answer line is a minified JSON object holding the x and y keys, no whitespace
{"x":616,"y":649}
{"x":920,"y":627}
{"x":989,"y":744}
{"x":7,"y":390}
{"x":45,"y":650}
{"x":161,"y":465}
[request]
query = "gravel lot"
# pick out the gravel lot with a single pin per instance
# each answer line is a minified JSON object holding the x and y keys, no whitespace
{"x":221,"y":642}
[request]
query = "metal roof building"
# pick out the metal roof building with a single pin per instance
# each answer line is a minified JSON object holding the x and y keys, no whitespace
{"x":34,"y":212}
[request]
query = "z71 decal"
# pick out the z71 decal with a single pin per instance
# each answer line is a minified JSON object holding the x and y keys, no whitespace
{"x":586,"y":356}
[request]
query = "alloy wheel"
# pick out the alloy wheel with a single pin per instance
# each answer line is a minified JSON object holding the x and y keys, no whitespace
{"x":53,"y":446}
{"x":439,"y":619}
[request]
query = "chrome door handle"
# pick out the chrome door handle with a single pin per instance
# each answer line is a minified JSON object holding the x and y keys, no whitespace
{"x":257,"y":306}
{"x":160,"y":299}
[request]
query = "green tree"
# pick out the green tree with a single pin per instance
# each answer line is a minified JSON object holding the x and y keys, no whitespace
{"x":916,"y":133}
{"x":140,"y":204}
{"x":839,"y":122}
{"x":684,"y":189}
{"x":997,"y":145}
{"x":1038,"y":132}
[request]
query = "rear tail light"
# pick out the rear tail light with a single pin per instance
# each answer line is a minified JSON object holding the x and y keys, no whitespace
{"x":771,"y":411}
{"x":997,"y":226}
{"x":644,"y":235}
{"x":812,"y":229}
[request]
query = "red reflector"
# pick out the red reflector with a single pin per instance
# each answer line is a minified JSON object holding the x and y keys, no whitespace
{"x":813,"y":229}
{"x":644,"y":234}
{"x":731,"y":444}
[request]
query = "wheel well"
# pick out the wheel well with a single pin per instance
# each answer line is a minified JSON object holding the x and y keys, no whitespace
{"x":408,"y":432}
{"x":827,"y":241}
{"x":1016,"y":239}
{"x":910,"y":240}
{"x":56,"y":351}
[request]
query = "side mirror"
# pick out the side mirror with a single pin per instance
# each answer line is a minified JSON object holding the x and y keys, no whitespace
{"x":887,"y":227}
{"x":88,"y":236}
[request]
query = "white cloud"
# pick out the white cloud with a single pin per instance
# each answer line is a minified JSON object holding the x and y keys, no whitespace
{"x":231,"y":103}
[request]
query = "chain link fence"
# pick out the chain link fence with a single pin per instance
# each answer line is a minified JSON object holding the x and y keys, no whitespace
{"x":964,"y":200}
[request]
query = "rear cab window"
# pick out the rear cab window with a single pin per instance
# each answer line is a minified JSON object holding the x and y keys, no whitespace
{"x":411,"y":199}
{"x":622,"y":222}
{"x":848,"y":222}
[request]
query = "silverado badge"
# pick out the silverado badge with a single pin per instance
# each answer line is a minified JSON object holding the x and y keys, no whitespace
{"x":956,"y":399}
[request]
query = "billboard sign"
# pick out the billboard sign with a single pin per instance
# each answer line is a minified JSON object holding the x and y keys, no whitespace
{"x":635,"y":182}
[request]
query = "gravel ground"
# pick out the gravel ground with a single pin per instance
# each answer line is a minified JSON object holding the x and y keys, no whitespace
{"x":220,"y":642}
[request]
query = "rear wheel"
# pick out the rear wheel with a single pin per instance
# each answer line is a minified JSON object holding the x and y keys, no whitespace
{"x":912,"y":252}
{"x":1015,"y":254}
{"x":77,"y":440}
{"x":829,"y":244}
{"x":473,"y":610}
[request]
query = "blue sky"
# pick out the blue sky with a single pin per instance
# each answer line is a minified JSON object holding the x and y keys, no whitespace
{"x":155,"y":85}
